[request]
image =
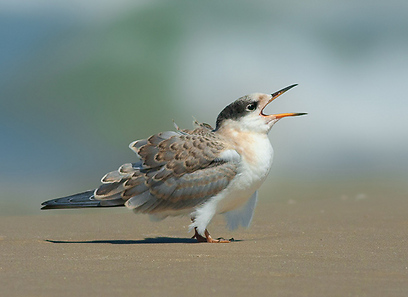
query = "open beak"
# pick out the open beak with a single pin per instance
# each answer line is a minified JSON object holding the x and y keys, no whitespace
{"x":281,"y":115}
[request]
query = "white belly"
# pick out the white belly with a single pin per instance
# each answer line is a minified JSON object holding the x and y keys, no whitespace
{"x":256,"y":160}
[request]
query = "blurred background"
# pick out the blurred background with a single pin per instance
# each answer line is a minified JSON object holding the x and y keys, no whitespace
{"x":80,"y":80}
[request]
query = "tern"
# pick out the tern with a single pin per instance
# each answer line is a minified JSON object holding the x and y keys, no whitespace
{"x":200,"y":172}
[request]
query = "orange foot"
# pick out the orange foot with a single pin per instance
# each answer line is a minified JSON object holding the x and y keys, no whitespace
{"x":208,"y":237}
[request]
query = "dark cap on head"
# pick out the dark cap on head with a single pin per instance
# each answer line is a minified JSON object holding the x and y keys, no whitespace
{"x":236,"y":110}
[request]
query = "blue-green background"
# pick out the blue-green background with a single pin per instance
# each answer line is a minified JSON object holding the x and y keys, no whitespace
{"x":80,"y":80}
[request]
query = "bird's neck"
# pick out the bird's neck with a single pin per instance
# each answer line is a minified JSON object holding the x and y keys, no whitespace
{"x":254,"y":148}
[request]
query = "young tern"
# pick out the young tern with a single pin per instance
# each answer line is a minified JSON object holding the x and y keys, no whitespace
{"x":200,"y":172}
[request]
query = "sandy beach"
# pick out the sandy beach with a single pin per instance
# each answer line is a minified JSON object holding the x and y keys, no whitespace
{"x":81,"y":80}
{"x":333,"y":246}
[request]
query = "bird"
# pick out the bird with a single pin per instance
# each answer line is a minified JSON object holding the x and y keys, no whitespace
{"x":199,"y":173}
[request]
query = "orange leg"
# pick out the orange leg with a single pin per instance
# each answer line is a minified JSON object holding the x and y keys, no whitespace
{"x":208,"y":237}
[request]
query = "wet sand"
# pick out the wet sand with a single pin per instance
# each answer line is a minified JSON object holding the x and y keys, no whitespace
{"x":338,"y":246}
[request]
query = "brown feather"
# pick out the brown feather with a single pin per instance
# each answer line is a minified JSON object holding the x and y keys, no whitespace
{"x":178,"y":170}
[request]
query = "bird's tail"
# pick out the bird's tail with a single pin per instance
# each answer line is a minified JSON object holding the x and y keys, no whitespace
{"x":81,"y":200}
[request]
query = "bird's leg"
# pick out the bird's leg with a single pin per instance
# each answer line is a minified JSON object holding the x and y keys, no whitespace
{"x":198,"y":236}
{"x":211,"y":240}
{"x":208,"y":237}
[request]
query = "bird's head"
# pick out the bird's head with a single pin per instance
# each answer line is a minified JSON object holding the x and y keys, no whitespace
{"x":247,"y":114}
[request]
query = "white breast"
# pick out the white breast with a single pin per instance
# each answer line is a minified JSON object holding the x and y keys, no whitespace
{"x":256,"y":155}
{"x":256,"y":159}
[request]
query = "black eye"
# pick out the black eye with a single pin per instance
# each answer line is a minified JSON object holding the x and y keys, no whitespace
{"x":251,"y":107}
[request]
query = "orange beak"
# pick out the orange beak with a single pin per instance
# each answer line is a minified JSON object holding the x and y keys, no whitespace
{"x":281,"y":115}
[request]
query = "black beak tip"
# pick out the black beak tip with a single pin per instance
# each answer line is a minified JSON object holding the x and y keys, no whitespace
{"x":280,"y":92}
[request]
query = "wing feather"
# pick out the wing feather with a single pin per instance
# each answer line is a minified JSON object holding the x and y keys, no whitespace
{"x":177,"y":170}
{"x":243,"y":215}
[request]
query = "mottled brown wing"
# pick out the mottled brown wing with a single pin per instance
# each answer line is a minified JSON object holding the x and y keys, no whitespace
{"x":177,"y":170}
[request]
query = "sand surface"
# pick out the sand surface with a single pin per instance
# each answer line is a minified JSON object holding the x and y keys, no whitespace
{"x":339,"y":246}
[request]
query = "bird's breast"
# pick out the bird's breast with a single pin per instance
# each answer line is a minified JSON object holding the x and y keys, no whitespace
{"x":256,"y":159}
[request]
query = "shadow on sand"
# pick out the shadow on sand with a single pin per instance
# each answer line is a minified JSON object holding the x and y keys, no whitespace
{"x":154,"y":240}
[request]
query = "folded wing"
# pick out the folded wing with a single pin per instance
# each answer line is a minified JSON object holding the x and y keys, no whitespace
{"x":177,"y":170}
